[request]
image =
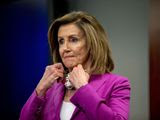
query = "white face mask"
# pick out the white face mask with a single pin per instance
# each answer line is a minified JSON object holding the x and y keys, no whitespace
{"x":68,"y":84}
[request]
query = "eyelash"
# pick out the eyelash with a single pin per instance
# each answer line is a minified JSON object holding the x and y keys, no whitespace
{"x":74,"y":39}
{"x":61,"y":41}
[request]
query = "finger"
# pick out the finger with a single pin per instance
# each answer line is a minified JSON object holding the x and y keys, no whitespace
{"x":74,"y":74}
{"x":54,"y":77}
{"x":59,"y":70}
{"x":59,"y":74}
{"x":55,"y":66}
{"x":74,"y":69}
{"x":47,"y":72}
{"x":58,"y":66}
{"x":71,"y":78}
{"x":81,"y":67}
{"x":50,"y":70}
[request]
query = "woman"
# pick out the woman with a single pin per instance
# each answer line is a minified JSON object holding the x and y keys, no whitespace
{"x":79,"y":85}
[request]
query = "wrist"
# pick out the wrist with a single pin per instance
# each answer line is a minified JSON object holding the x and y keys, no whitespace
{"x":40,"y":91}
{"x":82,"y":85}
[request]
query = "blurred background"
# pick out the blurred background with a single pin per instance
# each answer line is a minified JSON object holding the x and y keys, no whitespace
{"x":133,"y":27}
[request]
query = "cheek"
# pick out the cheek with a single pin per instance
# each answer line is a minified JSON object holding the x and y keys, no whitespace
{"x":81,"y":54}
{"x":60,"y":52}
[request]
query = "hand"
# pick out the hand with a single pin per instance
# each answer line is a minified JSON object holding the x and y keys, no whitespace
{"x":78,"y":77}
{"x":51,"y":74}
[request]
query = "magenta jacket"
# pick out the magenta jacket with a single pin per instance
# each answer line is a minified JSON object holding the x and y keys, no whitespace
{"x":105,"y":97}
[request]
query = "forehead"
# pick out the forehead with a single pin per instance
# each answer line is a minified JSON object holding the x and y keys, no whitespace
{"x":69,"y":29}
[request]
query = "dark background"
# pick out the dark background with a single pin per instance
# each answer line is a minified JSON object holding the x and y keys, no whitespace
{"x":24,"y":50}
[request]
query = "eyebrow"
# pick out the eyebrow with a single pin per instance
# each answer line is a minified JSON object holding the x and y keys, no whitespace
{"x":72,"y":35}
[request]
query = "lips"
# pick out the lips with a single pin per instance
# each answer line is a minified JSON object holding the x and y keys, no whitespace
{"x":66,"y":57}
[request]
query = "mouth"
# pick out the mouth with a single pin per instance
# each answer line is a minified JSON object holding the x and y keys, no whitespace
{"x":68,"y":57}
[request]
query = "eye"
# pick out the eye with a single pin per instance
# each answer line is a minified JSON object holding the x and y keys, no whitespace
{"x":61,"y":41}
{"x":73,"y":39}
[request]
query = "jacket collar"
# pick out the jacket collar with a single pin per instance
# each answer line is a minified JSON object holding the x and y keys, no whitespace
{"x":96,"y":81}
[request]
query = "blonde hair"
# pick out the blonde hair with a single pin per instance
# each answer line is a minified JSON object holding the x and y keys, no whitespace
{"x":96,"y":40}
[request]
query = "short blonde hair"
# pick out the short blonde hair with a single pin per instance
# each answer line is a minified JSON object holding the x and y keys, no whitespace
{"x":96,"y":40}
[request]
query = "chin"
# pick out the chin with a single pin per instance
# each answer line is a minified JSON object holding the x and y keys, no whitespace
{"x":70,"y":65}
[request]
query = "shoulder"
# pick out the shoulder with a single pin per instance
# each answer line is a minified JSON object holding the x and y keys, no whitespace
{"x":109,"y":81}
{"x":114,"y":78}
{"x":117,"y":82}
{"x":109,"y":78}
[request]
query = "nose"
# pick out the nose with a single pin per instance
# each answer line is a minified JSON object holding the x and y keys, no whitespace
{"x":66,"y":46}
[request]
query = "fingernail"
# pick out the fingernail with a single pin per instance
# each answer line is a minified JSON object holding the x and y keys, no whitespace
{"x":56,"y":78}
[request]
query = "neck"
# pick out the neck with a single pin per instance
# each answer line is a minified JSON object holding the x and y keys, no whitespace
{"x":68,"y":95}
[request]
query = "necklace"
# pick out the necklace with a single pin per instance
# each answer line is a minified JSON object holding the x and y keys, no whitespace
{"x":68,"y":84}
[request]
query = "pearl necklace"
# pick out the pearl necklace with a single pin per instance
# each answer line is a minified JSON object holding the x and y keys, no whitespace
{"x":68,"y":84}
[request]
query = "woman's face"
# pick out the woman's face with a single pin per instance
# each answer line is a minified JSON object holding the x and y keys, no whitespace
{"x":72,"y":45}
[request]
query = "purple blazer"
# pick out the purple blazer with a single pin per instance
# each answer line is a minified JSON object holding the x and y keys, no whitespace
{"x":105,"y":97}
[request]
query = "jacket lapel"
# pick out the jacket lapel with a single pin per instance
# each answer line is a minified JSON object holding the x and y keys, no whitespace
{"x":96,"y":81}
{"x":58,"y":100}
